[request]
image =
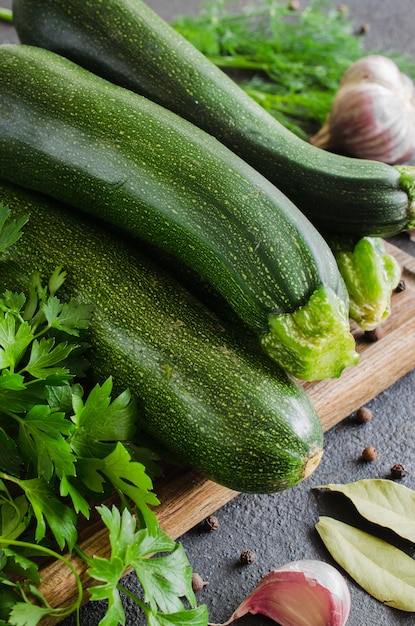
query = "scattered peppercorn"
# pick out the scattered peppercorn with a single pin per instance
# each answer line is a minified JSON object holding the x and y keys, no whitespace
{"x":401,"y":286}
{"x":211,"y":523}
{"x":197,"y":582}
{"x":247,"y":557}
{"x":363,"y":415}
{"x":364,"y":29}
{"x":373,"y":335}
{"x":398,"y":471}
{"x":369,"y":454}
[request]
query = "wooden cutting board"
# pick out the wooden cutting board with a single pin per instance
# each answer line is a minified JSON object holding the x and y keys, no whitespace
{"x":186,"y":498}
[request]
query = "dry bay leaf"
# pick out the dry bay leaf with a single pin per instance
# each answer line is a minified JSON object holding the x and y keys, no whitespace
{"x":382,"y":502}
{"x":385,"y":572}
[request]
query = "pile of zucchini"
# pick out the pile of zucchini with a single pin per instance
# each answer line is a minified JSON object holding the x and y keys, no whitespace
{"x":93,"y":108}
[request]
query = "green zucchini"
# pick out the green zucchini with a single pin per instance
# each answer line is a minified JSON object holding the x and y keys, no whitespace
{"x":220,"y":407}
{"x":129,"y":44}
{"x":105,"y":150}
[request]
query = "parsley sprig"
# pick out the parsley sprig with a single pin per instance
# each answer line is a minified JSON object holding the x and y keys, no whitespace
{"x":63,"y":448}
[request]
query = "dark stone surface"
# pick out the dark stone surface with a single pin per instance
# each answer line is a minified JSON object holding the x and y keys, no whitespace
{"x":280,"y":528}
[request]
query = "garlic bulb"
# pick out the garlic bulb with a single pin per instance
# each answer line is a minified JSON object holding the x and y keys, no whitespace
{"x":373,"y":113}
{"x":300,"y":593}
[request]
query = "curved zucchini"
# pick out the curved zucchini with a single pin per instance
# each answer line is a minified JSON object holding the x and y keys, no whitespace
{"x":131,"y":45}
{"x":105,"y":150}
{"x":222,"y":408}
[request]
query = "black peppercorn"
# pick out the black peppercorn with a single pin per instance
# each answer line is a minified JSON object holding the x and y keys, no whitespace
{"x":363,"y":415}
{"x":247,"y":557}
{"x":211,"y":523}
{"x":398,"y":471}
{"x":369,"y":454}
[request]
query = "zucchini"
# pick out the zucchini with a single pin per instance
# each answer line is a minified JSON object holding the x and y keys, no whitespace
{"x":217,"y":405}
{"x":132,"y":46}
{"x":103,"y":149}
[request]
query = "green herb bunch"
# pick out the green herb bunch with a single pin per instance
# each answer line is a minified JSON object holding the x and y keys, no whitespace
{"x":290,"y":61}
{"x":63,"y":450}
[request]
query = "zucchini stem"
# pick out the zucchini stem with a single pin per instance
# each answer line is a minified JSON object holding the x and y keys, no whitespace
{"x":407,"y":182}
{"x":314,"y":342}
{"x":6,"y":15}
{"x":371,"y":275}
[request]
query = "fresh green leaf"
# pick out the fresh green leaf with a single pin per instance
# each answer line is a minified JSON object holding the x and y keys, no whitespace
{"x":165,"y":579}
{"x":22,"y":566}
{"x":10,"y":229}
{"x":68,"y":488}
{"x":11,"y":382}
{"x":159,"y":576}
{"x":14,"y":517}
{"x":162,"y":587}
{"x":48,"y":508}
{"x":59,"y":397}
{"x":99,"y":420}
{"x":45,"y":357}
{"x":14,"y":341}
{"x":191,"y":617}
{"x":8,"y":597}
{"x":385,"y":572}
{"x":10,"y":456}
{"x":42,"y":440}
{"x":110,"y":571}
{"x":11,"y":302}
{"x":89,"y":472}
{"x":130,"y":478}
{"x":27,"y":614}
{"x":383,"y":502}
{"x":68,"y":317}
{"x":68,"y":446}
{"x":56,"y":280}
{"x":15,"y":401}
{"x":126,"y":476}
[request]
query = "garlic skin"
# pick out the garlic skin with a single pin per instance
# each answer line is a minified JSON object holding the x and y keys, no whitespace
{"x":373,"y":113}
{"x":300,"y":593}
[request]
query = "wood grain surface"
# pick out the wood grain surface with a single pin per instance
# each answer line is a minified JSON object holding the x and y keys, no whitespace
{"x":186,"y":498}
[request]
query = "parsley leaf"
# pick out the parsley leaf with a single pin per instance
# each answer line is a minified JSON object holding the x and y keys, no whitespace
{"x":127,"y":476}
{"x":14,"y":340}
{"x":69,"y":317}
{"x":48,"y":509}
{"x":45,"y":357}
{"x":166,"y":579}
{"x":61,"y":447}
{"x":10,"y":229}
{"x":99,"y":421}
{"x":42,"y":442}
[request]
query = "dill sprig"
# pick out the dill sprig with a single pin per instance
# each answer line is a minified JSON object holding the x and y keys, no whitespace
{"x":290,"y":61}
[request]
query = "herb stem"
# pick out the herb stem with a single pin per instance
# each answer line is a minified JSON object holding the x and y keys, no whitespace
{"x":12,"y":479}
{"x":64,"y":611}
{"x":133,"y":597}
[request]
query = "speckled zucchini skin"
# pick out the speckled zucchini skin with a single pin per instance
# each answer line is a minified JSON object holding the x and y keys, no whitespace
{"x":77,"y":137}
{"x":128,"y":43}
{"x":219,"y":406}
